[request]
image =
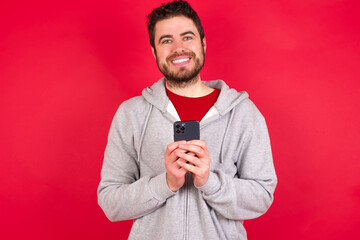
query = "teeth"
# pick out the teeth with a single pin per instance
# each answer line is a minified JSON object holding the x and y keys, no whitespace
{"x":181,"y":60}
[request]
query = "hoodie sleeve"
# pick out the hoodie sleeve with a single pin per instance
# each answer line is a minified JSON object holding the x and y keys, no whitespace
{"x":250,"y":194}
{"x":122,"y":194}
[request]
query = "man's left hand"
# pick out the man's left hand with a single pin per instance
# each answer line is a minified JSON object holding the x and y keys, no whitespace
{"x":197,"y":161}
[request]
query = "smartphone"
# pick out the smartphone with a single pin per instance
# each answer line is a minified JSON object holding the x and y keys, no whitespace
{"x":186,"y":130}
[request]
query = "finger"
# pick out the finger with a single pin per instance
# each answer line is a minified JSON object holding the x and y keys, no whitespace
{"x":180,"y":162}
{"x":172,"y":146}
{"x":199,"y":143}
{"x":180,"y":168}
{"x":190,"y":153}
{"x":171,"y":159}
{"x":190,"y":159}
{"x":189,"y":167}
{"x":197,"y":150}
{"x":177,"y":152}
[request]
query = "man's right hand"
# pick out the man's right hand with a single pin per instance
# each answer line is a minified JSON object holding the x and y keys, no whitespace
{"x":175,"y":174}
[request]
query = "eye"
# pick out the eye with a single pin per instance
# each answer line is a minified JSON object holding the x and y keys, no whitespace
{"x":166,"y":41}
{"x":187,"y":38}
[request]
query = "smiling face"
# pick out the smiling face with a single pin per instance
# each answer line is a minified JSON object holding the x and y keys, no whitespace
{"x":179,"y":52}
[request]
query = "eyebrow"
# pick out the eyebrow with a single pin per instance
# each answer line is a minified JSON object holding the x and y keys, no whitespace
{"x":170,"y":36}
{"x":188,"y":32}
{"x":164,"y":36}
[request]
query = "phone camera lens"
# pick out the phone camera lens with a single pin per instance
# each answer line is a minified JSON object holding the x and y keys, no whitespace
{"x":182,"y":128}
{"x":178,"y":131}
{"x":177,"y":126}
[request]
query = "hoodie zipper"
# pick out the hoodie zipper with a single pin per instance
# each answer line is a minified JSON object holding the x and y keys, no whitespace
{"x":186,"y":225}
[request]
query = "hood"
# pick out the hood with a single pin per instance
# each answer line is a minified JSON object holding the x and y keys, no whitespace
{"x":156,"y":95}
{"x":228,"y":97}
{"x":227,"y":100}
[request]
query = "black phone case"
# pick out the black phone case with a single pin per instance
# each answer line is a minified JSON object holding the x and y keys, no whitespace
{"x":186,"y":130}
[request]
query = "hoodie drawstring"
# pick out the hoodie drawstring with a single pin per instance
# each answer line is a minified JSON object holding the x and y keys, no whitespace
{"x":226,"y":131}
{"x":143,"y":131}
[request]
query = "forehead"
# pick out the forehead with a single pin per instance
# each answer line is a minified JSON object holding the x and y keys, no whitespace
{"x":174,"y":26}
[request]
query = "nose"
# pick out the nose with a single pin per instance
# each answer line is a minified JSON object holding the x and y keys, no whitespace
{"x":178,"y":47}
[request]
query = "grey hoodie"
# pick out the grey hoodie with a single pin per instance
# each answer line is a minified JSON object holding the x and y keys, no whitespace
{"x":133,"y":177}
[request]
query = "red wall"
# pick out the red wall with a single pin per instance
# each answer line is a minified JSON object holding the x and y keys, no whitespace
{"x":65,"y":67}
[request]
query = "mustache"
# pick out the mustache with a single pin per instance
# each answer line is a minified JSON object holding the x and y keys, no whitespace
{"x":170,"y":57}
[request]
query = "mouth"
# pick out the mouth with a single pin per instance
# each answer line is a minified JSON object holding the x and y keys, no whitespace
{"x":180,"y":61}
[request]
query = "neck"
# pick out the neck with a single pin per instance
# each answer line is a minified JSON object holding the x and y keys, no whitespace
{"x":194,"y":88}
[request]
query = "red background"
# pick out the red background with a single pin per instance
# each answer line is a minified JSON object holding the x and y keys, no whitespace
{"x":65,"y":67}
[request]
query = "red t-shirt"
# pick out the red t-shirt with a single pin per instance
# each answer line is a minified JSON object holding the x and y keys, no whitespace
{"x":190,"y":108}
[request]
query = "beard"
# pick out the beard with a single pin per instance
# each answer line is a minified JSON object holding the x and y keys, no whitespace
{"x":182,"y":77}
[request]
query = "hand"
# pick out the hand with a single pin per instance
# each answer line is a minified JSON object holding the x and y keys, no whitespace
{"x":198,"y":163}
{"x":175,"y":174}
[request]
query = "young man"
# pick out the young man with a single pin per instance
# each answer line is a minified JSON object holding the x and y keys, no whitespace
{"x":200,"y":189}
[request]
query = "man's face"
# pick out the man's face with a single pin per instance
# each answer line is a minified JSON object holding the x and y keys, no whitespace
{"x":178,"y":49}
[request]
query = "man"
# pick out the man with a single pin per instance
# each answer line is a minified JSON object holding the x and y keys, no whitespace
{"x":200,"y":189}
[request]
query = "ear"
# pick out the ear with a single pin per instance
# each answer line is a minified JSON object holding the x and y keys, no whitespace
{"x":204,"y":44}
{"x":153,"y":52}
